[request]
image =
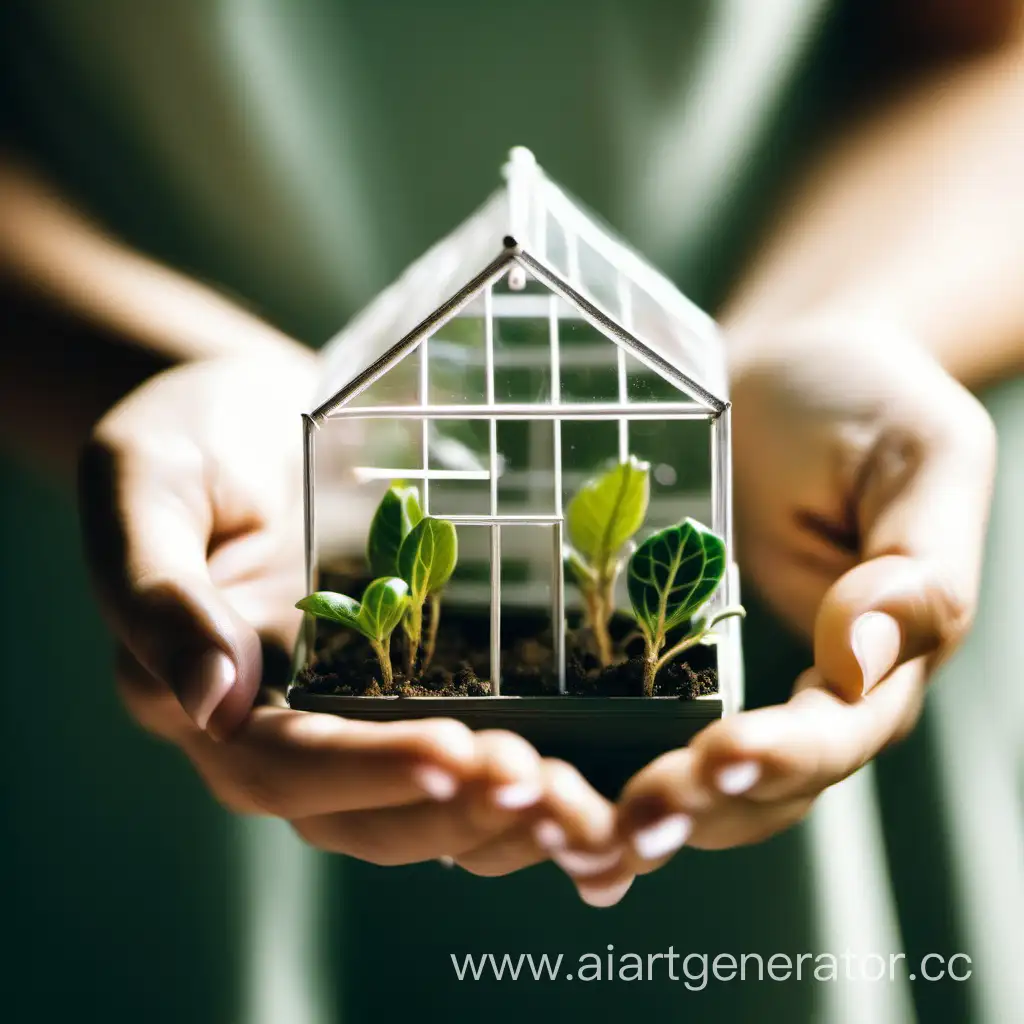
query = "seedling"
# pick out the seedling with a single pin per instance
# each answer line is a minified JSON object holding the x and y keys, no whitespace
{"x":399,"y":511}
{"x":384,"y":605}
{"x":426,"y":561}
{"x":602,"y":519}
{"x":422,"y":551}
{"x":671,"y":576}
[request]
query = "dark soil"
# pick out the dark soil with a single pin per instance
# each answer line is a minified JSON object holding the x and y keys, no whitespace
{"x":345,"y":665}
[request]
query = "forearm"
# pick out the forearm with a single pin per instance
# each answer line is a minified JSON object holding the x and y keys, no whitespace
{"x":83,"y":320}
{"x":916,"y":220}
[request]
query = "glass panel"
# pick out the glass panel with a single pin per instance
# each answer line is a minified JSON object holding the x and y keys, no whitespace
{"x":527,"y":564}
{"x":588,"y":447}
{"x":557,"y":249}
{"x":599,"y":280}
{"x":364,"y":450}
{"x":679,"y":454}
{"x":526,"y":485}
{"x":522,"y":357}
{"x":464,"y":634}
{"x":527,"y":648}
{"x":399,"y":386}
{"x":470,"y":583}
{"x":356,"y":461}
{"x":588,"y":361}
{"x":647,"y":385}
{"x":527,"y":559}
{"x":459,"y":467}
{"x":456,"y":360}
{"x":672,"y":340}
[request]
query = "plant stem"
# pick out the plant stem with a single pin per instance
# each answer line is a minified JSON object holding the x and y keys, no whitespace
{"x":414,"y":631}
{"x":600,"y":604}
{"x":432,"y":623}
{"x":383,"y":652}
{"x":597,"y":615}
{"x":695,"y":638}
{"x":685,"y":644}
{"x":651,"y":666}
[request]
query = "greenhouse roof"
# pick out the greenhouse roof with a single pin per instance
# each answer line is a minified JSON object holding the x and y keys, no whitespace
{"x":530,"y":226}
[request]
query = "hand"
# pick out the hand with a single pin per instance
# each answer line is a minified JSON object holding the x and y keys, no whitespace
{"x":863,"y":475}
{"x":191,"y":502}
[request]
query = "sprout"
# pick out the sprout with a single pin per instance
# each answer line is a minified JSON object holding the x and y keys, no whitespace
{"x":602,"y":518}
{"x":421,"y":550}
{"x":671,"y":576}
{"x":384,"y":604}
{"x":426,"y":561}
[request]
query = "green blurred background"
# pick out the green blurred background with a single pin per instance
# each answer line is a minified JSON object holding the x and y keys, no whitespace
{"x":128,"y":895}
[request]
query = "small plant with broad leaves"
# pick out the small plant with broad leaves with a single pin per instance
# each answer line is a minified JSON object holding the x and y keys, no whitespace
{"x":422,"y":550}
{"x":602,"y":519}
{"x":383,"y":606}
{"x":671,"y":576}
{"x":426,"y":561}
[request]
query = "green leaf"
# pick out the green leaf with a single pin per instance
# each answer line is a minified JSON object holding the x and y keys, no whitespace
{"x":336,"y":607}
{"x":384,"y":603}
{"x":607,"y":510}
{"x":398,"y":512}
{"x":427,"y":557}
{"x":673,"y":573}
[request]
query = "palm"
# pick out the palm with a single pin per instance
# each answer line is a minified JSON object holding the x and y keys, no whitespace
{"x":827,"y":428}
{"x":228,"y":432}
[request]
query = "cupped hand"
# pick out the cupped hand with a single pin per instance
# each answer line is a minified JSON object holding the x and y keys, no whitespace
{"x":863,"y":475}
{"x":191,"y":505}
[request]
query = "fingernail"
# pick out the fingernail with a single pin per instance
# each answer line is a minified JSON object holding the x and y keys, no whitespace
{"x":516,"y":795}
{"x":570,"y":787}
{"x":435,"y":782}
{"x":663,"y":837}
{"x":876,"y":641}
{"x":549,"y":835}
{"x":582,"y":865}
{"x":606,"y":896}
{"x":738,"y":778}
{"x":446,"y":861}
{"x":209,"y":685}
{"x":456,"y":741}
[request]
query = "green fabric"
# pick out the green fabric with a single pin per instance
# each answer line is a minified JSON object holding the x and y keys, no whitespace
{"x":299,"y":153}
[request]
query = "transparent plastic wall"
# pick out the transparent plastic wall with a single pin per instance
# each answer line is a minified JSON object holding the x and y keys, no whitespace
{"x":499,"y":416}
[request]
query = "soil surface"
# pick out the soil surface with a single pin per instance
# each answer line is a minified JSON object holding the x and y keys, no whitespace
{"x":344,"y":663}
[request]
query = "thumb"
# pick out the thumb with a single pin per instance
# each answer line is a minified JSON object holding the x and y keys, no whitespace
{"x":147,"y":521}
{"x":923,"y":529}
{"x":880,"y":614}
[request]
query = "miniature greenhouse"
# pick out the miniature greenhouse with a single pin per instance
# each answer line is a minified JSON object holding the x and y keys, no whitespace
{"x":523,"y":371}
